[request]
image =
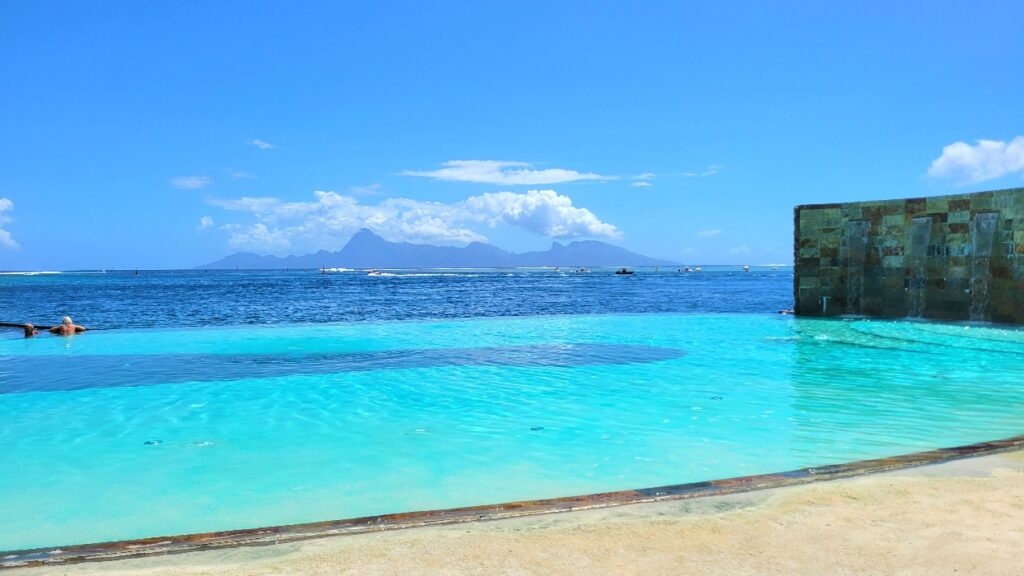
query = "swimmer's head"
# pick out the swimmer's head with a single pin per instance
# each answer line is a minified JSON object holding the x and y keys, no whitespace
{"x":66,"y":320}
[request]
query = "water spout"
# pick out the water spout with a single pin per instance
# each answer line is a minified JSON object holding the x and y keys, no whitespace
{"x":917,"y":259}
{"x":983,"y":229}
{"x":856,"y":251}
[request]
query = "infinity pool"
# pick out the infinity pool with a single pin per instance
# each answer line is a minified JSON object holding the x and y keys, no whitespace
{"x":126,"y":434}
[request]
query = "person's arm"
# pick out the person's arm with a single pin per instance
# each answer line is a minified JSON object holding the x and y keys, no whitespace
{"x":80,"y":329}
{"x":54,"y":330}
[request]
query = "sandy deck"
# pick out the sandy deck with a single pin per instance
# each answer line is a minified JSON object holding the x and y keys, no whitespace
{"x":964,"y":517}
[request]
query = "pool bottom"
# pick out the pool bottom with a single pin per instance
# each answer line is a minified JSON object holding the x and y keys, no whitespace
{"x":295,"y":532}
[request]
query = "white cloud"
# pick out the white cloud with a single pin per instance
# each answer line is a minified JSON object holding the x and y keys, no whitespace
{"x":503,"y":173}
{"x":6,"y":240}
{"x":191,"y":182}
{"x":644,"y":180}
{"x":205,"y":222}
{"x":259,"y":206}
{"x":259,"y":238}
{"x":239,"y":174}
{"x":261,"y":144}
{"x":986,"y":160}
{"x":709,"y":233}
{"x":328,"y":220}
{"x":709,"y":171}
{"x":368,"y":190}
{"x":541,"y":211}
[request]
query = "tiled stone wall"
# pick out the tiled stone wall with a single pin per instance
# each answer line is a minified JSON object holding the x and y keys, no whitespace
{"x":949,"y":257}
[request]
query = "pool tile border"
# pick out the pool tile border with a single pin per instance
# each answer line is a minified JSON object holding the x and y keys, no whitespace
{"x":144,"y":547}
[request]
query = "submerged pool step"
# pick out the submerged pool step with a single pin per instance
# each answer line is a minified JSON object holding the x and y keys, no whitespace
{"x":80,"y":372}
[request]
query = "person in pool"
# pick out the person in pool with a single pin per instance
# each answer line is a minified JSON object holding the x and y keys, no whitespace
{"x":67,"y":328}
{"x":30,"y":330}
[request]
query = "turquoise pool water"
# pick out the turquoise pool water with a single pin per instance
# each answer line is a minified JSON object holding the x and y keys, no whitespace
{"x":126,"y":434}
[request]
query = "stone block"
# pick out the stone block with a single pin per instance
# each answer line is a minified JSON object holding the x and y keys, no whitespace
{"x":894,"y":220}
{"x":960,"y":205}
{"x":960,"y":216}
{"x":938,"y":205}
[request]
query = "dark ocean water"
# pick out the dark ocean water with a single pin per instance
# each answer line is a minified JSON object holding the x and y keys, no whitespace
{"x":219,"y":298}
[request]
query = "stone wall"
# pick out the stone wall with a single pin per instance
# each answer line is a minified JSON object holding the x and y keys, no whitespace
{"x":955,"y":257}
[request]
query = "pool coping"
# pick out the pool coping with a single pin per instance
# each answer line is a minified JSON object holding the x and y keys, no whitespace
{"x":155,"y":546}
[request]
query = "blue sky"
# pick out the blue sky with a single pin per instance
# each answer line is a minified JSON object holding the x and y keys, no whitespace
{"x":164,"y":135}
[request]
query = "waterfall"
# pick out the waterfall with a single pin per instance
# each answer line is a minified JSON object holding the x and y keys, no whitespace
{"x":917,"y":260}
{"x":856,"y":251}
{"x":983,"y":229}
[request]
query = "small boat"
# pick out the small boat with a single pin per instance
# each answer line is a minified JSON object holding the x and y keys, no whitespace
{"x":582,"y":270}
{"x":697,"y":269}
{"x":686,"y":269}
{"x":746,"y":268}
{"x":623,"y":271}
{"x":375,"y":273}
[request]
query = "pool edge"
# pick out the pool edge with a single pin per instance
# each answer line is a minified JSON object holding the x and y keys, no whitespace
{"x":155,"y":546}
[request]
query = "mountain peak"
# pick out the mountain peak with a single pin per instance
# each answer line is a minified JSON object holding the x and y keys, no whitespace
{"x":365,"y":237}
{"x":366,"y":233}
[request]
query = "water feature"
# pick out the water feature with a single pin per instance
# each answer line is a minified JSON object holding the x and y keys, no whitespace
{"x":917,"y":261}
{"x":856,"y":253}
{"x":983,"y":228}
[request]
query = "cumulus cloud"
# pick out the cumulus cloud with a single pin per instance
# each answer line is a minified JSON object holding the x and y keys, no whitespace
{"x":330,"y":218}
{"x":541,"y":211}
{"x":191,"y":182}
{"x":709,"y":233}
{"x":640,"y":184}
{"x":503,"y":173}
{"x":986,"y":160}
{"x":260,"y":238}
{"x":205,"y":222}
{"x":6,"y":240}
{"x":261,"y":144}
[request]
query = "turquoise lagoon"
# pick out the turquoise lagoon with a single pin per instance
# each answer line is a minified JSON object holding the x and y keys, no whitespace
{"x":127,"y":434}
